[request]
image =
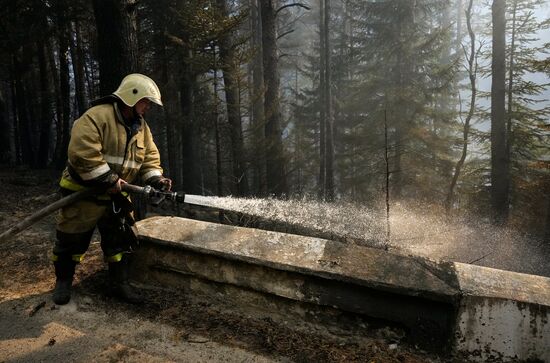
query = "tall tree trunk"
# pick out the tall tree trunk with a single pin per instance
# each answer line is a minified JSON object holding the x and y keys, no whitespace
{"x":510,"y":99}
{"x":388,"y":175}
{"x":329,"y":180}
{"x":32,"y":87}
{"x":472,"y":74}
{"x":322,"y":108}
{"x":275,"y":159}
{"x":230,"y":68}
{"x":257,"y":101}
{"x":116,"y":22}
{"x":91,"y":68}
{"x":172,"y":113}
{"x":57,"y":159}
{"x":189,"y":130}
{"x":217,"y":138}
{"x":21,"y":106}
{"x":16,"y":126}
{"x":5,"y":135}
{"x":77,"y":55}
{"x":46,"y":103}
{"x":499,"y":163}
{"x":547,"y":226}
{"x":173,"y":137}
{"x":64,"y":82}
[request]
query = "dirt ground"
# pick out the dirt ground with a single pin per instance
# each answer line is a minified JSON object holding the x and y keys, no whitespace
{"x":169,"y":327}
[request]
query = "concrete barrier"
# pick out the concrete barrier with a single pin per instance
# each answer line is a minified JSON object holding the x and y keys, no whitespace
{"x":502,"y":315}
{"x":467,"y":310}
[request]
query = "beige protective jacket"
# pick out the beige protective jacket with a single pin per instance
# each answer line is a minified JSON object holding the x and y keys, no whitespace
{"x":98,"y":148}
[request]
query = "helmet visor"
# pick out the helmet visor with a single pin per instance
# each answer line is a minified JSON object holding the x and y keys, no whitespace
{"x":155,"y":100}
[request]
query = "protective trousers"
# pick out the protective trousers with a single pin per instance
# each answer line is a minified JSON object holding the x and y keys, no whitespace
{"x":118,"y":239}
{"x":114,"y":242}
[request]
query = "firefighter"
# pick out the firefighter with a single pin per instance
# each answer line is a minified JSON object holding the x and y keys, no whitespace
{"x":110,"y":145}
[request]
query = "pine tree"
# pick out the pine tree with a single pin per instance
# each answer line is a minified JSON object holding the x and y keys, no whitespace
{"x":405,"y":45}
{"x":304,"y":131}
{"x":526,"y":117}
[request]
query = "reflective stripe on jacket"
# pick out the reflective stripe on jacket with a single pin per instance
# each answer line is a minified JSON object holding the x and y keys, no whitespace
{"x":99,"y":146}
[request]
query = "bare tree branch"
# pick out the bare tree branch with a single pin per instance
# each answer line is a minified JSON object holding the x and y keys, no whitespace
{"x":291,"y":5}
{"x":285,"y":33}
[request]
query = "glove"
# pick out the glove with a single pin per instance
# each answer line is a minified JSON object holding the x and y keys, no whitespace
{"x":161,"y":183}
{"x":116,"y":187}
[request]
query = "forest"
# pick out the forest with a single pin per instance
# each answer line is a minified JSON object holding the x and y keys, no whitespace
{"x":440,"y":104}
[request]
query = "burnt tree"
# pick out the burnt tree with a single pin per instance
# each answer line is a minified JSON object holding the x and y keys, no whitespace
{"x":256,"y":101}
{"x":499,"y":159}
{"x":275,"y":158}
{"x":116,"y":22}
{"x":230,"y":68}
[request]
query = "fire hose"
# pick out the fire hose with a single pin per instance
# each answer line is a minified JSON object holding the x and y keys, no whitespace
{"x":153,"y":196}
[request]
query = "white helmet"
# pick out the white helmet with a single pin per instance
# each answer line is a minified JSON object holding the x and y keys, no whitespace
{"x":136,"y":86}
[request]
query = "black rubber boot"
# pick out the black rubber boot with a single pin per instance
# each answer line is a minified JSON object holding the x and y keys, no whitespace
{"x":119,"y":285}
{"x":64,"y":272}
